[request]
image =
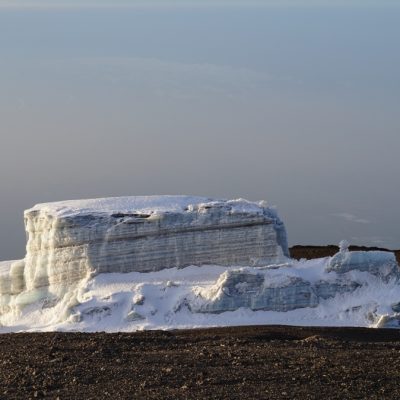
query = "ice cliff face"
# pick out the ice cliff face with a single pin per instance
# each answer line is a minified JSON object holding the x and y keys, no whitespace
{"x":237,"y":288}
{"x":285,"y":288}
{"x":71,"y":240}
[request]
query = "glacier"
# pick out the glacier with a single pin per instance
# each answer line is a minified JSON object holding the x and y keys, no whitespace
{"x":163,"y":262}
{"x":67,"y":240}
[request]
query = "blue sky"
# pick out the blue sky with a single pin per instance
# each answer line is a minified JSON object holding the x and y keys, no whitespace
{"x":297,"y":105}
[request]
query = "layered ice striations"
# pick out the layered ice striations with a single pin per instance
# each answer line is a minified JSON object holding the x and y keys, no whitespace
{"x":287,"y":287}
{"x":71,"y":240}
{"x":236,"y":289}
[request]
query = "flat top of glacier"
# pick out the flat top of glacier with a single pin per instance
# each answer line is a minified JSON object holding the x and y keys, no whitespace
{"x":141,"y":204}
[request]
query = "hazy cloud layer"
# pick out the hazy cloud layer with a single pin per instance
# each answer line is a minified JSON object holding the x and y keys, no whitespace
{"x":298,"y":107}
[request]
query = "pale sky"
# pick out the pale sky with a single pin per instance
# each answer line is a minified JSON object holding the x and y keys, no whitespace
{"x":295,"y":105}
{"x":190,"y":3}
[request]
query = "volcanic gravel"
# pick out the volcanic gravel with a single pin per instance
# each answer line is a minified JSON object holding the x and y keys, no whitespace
{"x":267,"y":362}
{"x":264,"y":362}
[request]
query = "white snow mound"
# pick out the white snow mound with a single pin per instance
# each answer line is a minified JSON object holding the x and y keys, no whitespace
{"x":194,"y":297}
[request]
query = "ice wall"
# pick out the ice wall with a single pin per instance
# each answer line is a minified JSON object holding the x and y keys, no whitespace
{"x":68,"y":241}
{"x":285,"y":287}
{"x":236,"y":289}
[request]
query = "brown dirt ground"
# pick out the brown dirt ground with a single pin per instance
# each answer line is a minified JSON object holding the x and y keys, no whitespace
{"x":265,"y":362}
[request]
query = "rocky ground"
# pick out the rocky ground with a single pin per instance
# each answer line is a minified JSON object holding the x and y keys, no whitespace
{"x":266,"y":362}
